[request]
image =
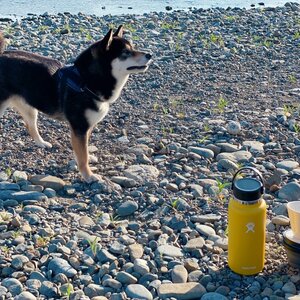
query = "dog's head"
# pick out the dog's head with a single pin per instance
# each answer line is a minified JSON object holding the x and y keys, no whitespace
{"x":116,"y":53}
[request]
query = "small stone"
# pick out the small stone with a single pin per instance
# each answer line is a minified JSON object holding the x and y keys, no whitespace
{"x":288,"y":165}
{"x":234,"y":127}
{"x":19,"y":176}
{"x":209,"y":218}
{"x":290,"y":192}
{"x":197,"y":190}
{"x":206,"y":153}
{"x":23,"y":195}
{"x":193,"y":244}
{"x":140,"y":266}
{"x":191,"y":265}
{"x":179,"y":274}
{"x":48,"y":181}
{"x":59,"y":265}
{"x":226,"y":164}
{"x":289,"y":288}
{"x":254,"y":146}
{"x":237,"y":157}
{"x":34,"y":209}
{"x":138,"y":291}
{"x":95,"y":290}
{"x":50,"y":193}
{"x":25,"y":296}
{"x":281,"y":220}
{"x":104,"y":256}
{"x":142,"y":173}
{"x":112,"y":283}
{"x":205,"y":230}
{"x":86,"y":221}
{"x":18,"y":262}
{"x":9,"y":186}
{"x":14,"y":286}
{"x":127,"y":208}
{"x":126,"y":278}
{"x":169,"y":250}
{"x":135,"y":251}
{"x":124,"y":181}
{"x":181,"y":291}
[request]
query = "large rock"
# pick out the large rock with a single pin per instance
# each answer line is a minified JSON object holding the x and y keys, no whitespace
{"x":142,"y":173}
{"x":193,"y":244}
{"x":169,"y":250}
{"x":288,"y":165}
{"x":206,"y":153}
{"x":290,"y":192}
{"x":48,"y":181}
{"x":237,"y":157}
{"x":59,"y":265}
{"x":181,"y":291}
{"x":4,"y":185}
{"x":254,"y":146}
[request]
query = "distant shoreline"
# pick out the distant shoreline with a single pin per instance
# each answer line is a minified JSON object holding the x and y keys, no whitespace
{"x":132,"y":7}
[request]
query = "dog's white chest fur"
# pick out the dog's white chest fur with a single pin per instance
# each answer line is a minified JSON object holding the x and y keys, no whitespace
{"x":93,"y":117}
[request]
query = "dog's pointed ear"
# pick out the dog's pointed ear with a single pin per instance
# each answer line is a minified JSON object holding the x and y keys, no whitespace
{"x":119,"y":32}
{"x":102,"y":45}
{"x":106,"y":41}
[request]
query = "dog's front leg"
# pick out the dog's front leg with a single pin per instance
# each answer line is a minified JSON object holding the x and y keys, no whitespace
{"x":80,"y":147}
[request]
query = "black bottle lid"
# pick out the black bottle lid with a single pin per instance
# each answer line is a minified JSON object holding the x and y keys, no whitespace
{"x":248,"y":189}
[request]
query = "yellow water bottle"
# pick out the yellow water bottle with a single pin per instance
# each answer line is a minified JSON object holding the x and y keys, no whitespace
{"x":247,"y":223}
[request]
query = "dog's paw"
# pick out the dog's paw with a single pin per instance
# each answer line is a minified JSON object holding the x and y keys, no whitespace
{"x":44,"y":144}
{"x":93,"y":178}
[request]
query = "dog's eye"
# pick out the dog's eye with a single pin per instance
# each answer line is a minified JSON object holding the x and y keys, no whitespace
{"x":126,"y":52}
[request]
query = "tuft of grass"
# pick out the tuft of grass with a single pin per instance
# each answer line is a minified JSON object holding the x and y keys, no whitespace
{"x":4,"y":250}
{"x":221,"y":186}
{"x":296,"y":35}
{"x":130,"y":27}
{"x":93,"y":245}
{"x":297,"y":128}
{"x":8,"y":172}
{"x":206,"y":127}
{"x":222,"y":104}
{"x":202,"y":140}
{"x":267,"y":43}
{"x":41,"y":241}
{"x":292,"y":78}
{"x":43,"y":28}
{"x":155,"y":106}
{"x":289,"y":110}
{"x":169,"y":25}
{"x":174,"y":203}
{"x":230,"y":18}
{"x":16,"y":234}
{"x":5,"y":216}
{"x":216,"y":39}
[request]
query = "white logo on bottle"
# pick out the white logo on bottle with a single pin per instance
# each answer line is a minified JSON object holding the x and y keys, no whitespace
{"x":250,"y":227}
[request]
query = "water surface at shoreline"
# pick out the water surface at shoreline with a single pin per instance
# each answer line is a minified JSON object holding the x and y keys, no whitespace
{"x":20,"y":8}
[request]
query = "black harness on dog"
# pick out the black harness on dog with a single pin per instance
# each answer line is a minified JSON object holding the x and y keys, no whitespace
{"x":69,"y":78}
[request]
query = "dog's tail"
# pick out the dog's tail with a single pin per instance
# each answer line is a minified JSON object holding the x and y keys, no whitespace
{"x":2,"y":43}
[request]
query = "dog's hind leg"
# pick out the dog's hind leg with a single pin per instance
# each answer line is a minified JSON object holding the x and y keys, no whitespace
{"x":29,"y":115}
{"x":80,"y":147}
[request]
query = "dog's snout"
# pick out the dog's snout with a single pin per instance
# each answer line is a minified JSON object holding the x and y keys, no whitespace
{"x":148,"y":55}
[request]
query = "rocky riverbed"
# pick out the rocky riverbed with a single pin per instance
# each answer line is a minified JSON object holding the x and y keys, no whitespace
{"x":223,"y":92}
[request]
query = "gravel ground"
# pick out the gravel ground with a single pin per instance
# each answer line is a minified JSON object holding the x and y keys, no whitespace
{"x":223,"y":92}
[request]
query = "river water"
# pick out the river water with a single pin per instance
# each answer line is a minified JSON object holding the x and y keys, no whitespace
{"x":22,"y":7}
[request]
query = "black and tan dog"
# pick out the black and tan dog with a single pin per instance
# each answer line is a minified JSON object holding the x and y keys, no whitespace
{"x":80,"y":94}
